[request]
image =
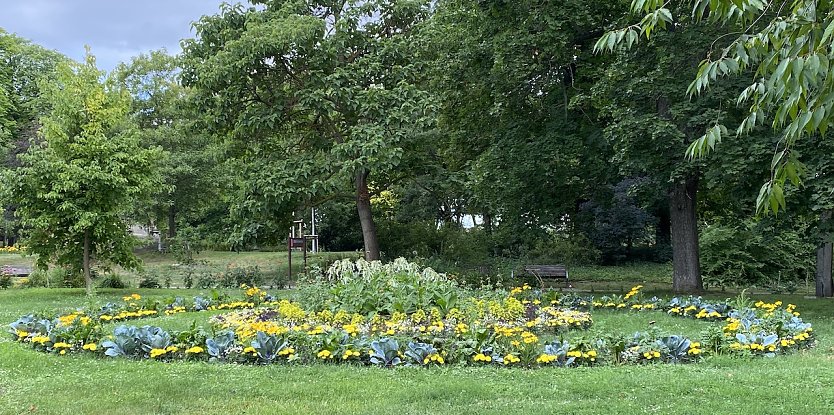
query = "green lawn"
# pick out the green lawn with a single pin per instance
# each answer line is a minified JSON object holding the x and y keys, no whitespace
{"x":32,"y":382}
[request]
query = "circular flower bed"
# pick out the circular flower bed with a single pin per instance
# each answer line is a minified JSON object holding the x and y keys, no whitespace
{"x":525,"y":328}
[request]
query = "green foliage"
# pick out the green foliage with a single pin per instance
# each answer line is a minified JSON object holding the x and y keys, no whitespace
{"x":76,"y":185}
{"x":787,"y":54}
{"x":112,"y":281}
{"x":312,"y":97}
{"x":370,"y":287}
{"x":5,"y":280}
{"x":565,"y":249}
{"x":754,"y":254}
{"x":149,"y":282}
{"x":235,"y":276}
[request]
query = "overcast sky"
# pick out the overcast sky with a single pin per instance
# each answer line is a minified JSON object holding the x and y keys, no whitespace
{"x":116,"y":30}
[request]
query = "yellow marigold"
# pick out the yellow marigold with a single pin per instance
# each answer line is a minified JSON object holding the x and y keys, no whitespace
{"x":509,"y":359}
{"x":40,"y":339}
{"x":546,"y":358}
{"x":480,"y":357}
{"x":62,"y":345}
{"x":157,"y":352}
{"x":90,"y":346}
{"x":324,"y":354}
{"x":194,"y":350}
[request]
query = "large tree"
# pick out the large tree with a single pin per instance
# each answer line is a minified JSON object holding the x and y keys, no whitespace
{"x":80,"y":178}
{"x":317,"y":96}
{"x":190,"y":163}
{"x":22,"y":65}
{"x":782,"y":47}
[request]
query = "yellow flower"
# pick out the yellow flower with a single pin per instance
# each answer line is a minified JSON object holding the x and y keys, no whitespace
{"x":21,"y":334}
{"x":480,"y":357}
{"x":172,"y":349}
{"x":250,"y":349}
{"x":509,"y":359}
{"x":40,"y":339}
{"x":546,"y":358}
{"x":62,"y":345}
{"x":325,"y":354}
{"x":157,"y":352}
{"x":90,"y":346}
{"x":136,"y":297}
{"x":194,"y":350}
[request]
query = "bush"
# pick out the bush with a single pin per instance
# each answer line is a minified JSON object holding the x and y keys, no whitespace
{"x":69,"y":278}
{"x":112,"y":281}
{"x":149,"y":282}
{"x":206,"y":281}
{"x":235,"y":276}
{"x":566,"y":249}
{"x":5,"y":281}
{"x":38,"y":278}
{"x":754,"y":254}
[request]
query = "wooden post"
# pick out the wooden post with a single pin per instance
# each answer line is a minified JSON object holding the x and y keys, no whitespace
{"x":823,"y":281}
{"x":289,"y":258}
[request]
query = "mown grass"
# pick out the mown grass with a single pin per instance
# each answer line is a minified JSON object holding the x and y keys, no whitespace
{"x":32,"y":382}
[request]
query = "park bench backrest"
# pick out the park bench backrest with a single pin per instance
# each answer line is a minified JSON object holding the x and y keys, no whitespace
{"x":547,"y":271}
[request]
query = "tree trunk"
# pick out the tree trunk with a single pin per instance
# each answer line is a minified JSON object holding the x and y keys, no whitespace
{"x":823,"y":282}
{"x":363,"y":206}
{"x":88,"y":279}
{"x":684,"y":229}
{"x":172,"y":222}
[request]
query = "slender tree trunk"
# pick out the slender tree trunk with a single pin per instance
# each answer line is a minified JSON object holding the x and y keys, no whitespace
{"x":88,"y":279}
{"x":684,"y":227}
{"x":363,"y":206}
{"x":172,"y":222}
{"x":488,"y":222}
{"x":823,"y":281}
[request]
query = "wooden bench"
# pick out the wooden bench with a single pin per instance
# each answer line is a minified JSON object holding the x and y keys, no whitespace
{"x":542,"y":272}
{"x":15,"y":271}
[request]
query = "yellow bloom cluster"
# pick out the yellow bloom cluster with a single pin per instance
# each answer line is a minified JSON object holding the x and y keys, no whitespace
{"x":434,"y":358}
{"x":651,"y":354}
{"x":510,"y":359}
{"x":480,"y":357}
{"x":132,"y":297}
{"x":350,"y":354}
{"x":325,"y":354}
{"x":90,"y":346}
{"x":67,"y":320}
{"x":10,"y":249}
{"x":161,"y":352}
{"x":175,"y":310}
{"x":194,"y":350}
{"x":546,"y":358}
{"x":634,"y":291}
{"x":694,"y":349}
{"x":732,"y":325}
{"x":704,"y":314}
{"x":127,"y":315}
{"x":518,"y":290}
{"x":41,"y":339}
